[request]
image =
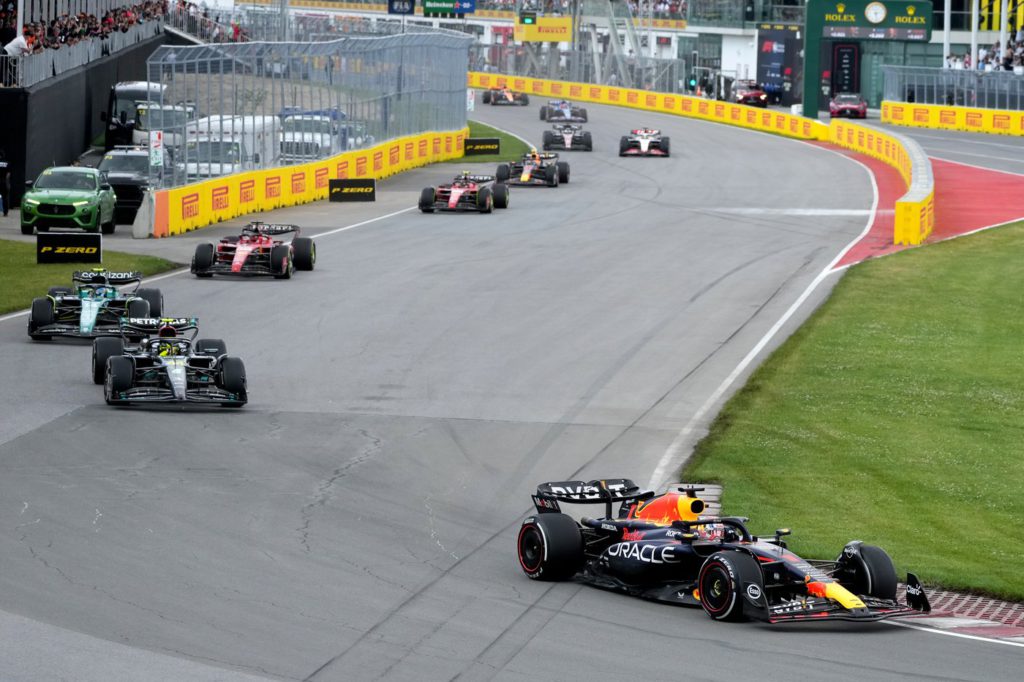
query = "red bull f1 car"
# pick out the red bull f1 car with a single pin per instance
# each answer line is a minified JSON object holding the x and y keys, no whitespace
{"x":568,"y":136}
{"x":534,"y":169}
{"x":256,"y":252}
{"x":465,"y":193}
{"x":93,"y":306}
{"x":497,"y":96}
{"x":562,"y":111}
{"x":662,"y":547}
{"x":644,"y":142}
{"x":168,"y":365}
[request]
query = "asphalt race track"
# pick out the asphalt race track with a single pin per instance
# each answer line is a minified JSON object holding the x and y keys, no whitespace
{"x":357,"y":519}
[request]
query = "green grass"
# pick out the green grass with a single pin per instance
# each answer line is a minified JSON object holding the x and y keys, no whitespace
{"x":512,"y":148}
{"x":21,"y":279}
{"x":894,"y":416}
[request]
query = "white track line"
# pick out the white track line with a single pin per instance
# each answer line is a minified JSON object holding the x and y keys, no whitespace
{"x":977,"y":638}
{"x":973,"y":165}
{"x":672,"y":457}
{"x":182,"y":271}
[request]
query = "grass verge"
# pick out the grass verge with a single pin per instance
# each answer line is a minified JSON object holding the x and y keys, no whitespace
{"x":23,"y":279}
{"x":894,"y":416}
{"x":512,"y":147}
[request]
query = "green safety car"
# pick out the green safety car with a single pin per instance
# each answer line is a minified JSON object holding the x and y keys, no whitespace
{"x":68,"y":196}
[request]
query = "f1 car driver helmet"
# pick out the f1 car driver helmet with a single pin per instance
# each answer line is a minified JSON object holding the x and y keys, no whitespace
{"x":534,"y":155}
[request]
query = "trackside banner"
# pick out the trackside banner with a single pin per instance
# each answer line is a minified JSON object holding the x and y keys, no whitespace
{"x":353,"y":190}
{"x":740,"y":115}
{"x":476,"y":146}
{"x":915,"y":211}
{"x":941,"y":117}
{"x":200,"y":204}
{"x":58,"y":247}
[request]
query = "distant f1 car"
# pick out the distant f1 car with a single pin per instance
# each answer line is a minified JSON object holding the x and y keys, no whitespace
{"x":496,"y":96}
{"x":167,"y":365}
{"x":660,"y":547}
{"x":94,"y":306}
{"x":644,"y":142}
{"x":562,"y":111}
{"x":256,"y":252}
{"x":534,"y":169}
{"x":466,"y":193}
{"x":568,"y":136}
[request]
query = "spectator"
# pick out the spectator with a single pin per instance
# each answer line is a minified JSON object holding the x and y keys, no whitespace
{"x":19,"y":47}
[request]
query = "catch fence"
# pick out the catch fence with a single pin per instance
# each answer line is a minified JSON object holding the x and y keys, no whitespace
{"x":230,"y":107}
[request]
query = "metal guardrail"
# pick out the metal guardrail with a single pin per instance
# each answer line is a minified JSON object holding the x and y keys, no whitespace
{"x":35,"y":68}
{"x":954,"y":87}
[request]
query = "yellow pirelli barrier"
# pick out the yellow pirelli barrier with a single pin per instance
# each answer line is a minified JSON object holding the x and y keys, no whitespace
{"x":915,"y":210}
{"x":940,"y":117}
{"x":205,"y":203}
{"x":740,"y":115}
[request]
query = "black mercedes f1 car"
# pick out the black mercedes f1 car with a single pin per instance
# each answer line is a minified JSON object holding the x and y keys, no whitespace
{"x":662,"y":547}
{"x":168,"y":364}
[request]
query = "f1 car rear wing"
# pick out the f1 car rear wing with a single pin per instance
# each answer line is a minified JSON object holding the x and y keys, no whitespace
{"x":605,"y":491}
{"x":477,"y":178}
{"x":145,"y":326}
{"x":269,"y":229}
{"x":101,"y":276}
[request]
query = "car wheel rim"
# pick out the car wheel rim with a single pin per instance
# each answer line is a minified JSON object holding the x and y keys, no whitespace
{"x":716,"y":590}
{"x":531,"y":549}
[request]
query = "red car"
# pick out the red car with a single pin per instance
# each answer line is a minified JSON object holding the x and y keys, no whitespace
{"x":256,"y":252}
{"x":750,"y":93}
{"x":467,"y":192}
{"x":848,"y":104}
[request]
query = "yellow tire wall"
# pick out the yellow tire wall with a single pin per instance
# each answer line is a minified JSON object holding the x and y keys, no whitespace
{"x":205,"y":203}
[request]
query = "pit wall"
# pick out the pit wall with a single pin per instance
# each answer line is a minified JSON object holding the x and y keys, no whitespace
{"x":182,"y":209}
{"x":915,"y":211}
{"x":941,"y":117}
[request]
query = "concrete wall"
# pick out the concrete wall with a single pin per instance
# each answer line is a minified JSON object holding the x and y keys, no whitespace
{"x":53,"y":122}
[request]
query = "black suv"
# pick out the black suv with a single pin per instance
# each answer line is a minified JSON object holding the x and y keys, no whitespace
{"x":127,"y":170}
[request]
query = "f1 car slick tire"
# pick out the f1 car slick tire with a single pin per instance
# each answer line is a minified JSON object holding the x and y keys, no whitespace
{"x":203,"y":260}
{"x":503,"y":173}
{"x":487,"y":97}
{"x":119,"y":375}
{"x":281,"y":263}
{"x":103,"y":349}
{"x":588,"y":142}
{"x":232,"y":380}
{"x":427,"y":198}
{"x":869,"y":571}
{"x":583,"y":115}
{"x":40,"y":316}
{"x":720,"y":584}
{"x":665,"y":145}
{"x":138,"y":307}
{"x":525,"y":101}
{"x":551,"y":175}
{"x":550,"y":547}
{"x":214,"y":347}
{"x":304,"y":253}
{"x":502,"y":195}
{"x":155,"y":299}
{"x":544,"y":113}
{"x":623,"y":145}
{"x":485,"y":200}
{"x":55,"y":292}
{"x":547,"y":140}
{"x":563,"y":171}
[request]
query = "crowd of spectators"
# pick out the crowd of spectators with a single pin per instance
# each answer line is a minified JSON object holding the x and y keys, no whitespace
{"x":215,"y":28}
{"x":70,"y":29}
{"x":663,"y":9}
{"x":994,"y":58}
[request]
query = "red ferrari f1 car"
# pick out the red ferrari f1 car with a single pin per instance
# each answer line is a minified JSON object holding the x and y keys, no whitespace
{"x":256,"y":252}
{"x":662,"y":547}
{"x":466,"y":192}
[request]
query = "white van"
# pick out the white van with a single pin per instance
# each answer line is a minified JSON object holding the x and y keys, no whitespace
{"x":221,"y":145}
{"x":172,"y":119}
